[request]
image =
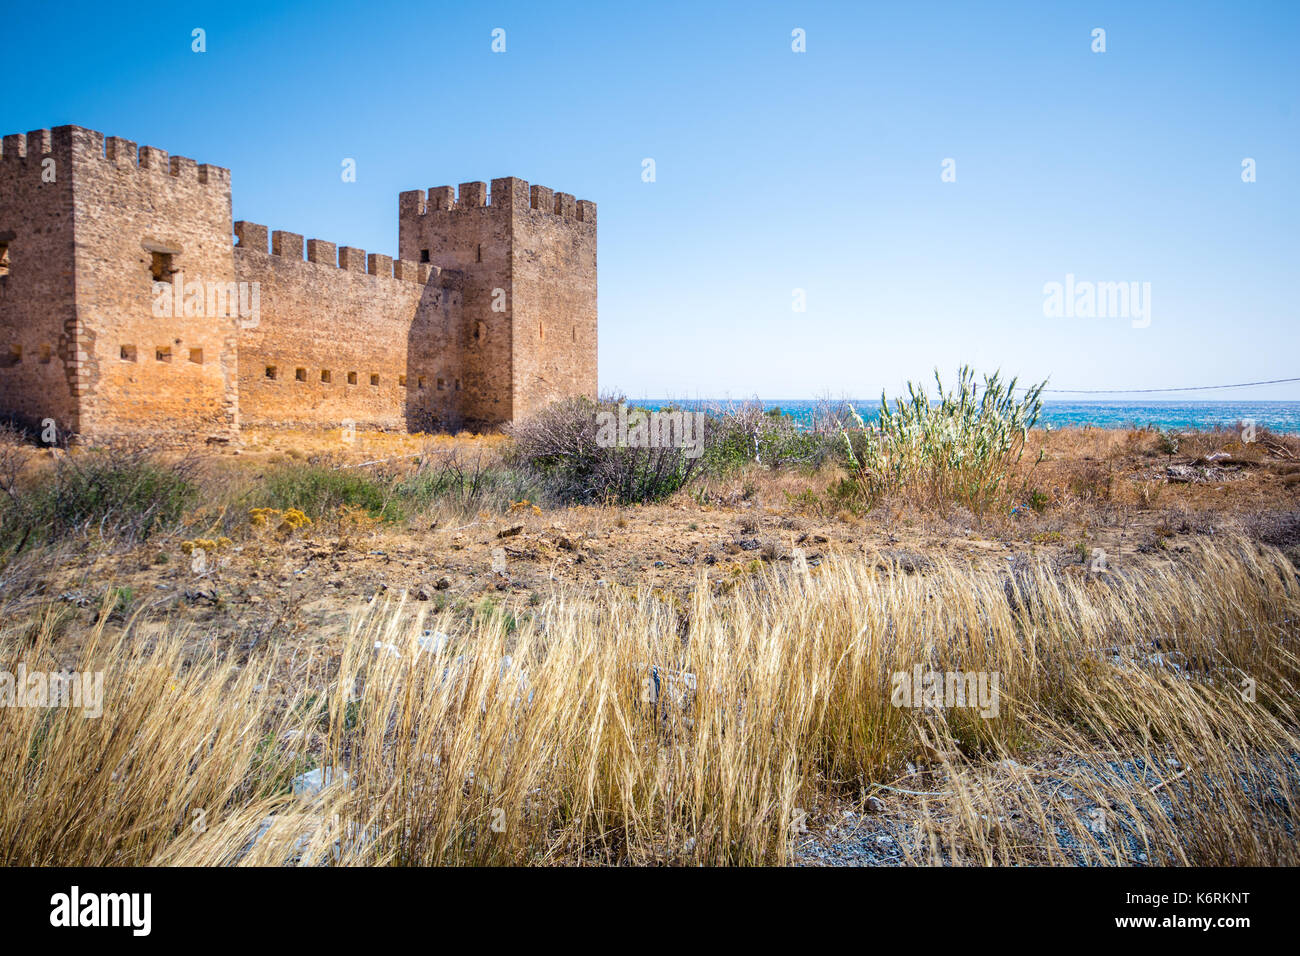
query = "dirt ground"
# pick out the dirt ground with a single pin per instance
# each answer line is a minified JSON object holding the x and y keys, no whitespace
{"x":1096,"y":499}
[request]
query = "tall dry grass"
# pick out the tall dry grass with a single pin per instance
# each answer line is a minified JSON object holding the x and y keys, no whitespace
{"x":1123,"y":733}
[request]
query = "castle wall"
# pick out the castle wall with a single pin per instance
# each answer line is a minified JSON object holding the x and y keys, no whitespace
{"x":38,"y":340}
{"x":166,"y":376}
{"x":554,"y":301}
{"x":331,"y":343}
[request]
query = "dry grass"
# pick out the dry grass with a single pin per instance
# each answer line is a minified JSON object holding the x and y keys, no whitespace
{"x":564,"y":753}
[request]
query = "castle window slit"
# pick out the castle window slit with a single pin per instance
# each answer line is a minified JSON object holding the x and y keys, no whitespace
{"x":162,"y":266}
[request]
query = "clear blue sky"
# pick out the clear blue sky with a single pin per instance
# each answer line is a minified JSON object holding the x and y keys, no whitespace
{"x":775,"y":170}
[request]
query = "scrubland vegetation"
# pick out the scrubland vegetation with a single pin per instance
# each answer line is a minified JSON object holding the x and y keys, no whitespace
{"x":731,"y":704}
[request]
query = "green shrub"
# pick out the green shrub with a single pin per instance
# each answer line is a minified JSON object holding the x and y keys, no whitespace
{"x":746,"y":434}
{"x":962,"y":447}
{"x":319,"y":489}
{"x":468,"y":485}
{"x":114,"y":493}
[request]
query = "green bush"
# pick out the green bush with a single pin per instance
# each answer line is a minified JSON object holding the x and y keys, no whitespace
{"x":319,"y":489}
{"x":746,"y":434}
{"x":123,"y":493}
{"x":468,"y":485}
{"x":961,"y":448}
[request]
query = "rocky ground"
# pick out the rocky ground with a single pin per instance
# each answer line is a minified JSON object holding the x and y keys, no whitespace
{"x":264,"y":583}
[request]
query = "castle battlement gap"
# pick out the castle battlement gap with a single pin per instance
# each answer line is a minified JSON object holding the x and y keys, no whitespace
{"x":252,"y":237}
{"x":123,"y":153}
{"x":508,"y":192}
{"x":487,"y":313}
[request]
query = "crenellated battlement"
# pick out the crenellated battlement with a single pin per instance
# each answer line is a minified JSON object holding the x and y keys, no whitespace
{"x":77,"y":142}
{"x":14,"y":146}
{"x":509,"y":192}
{"x":252,"y":237}
{"x":37,"y":142}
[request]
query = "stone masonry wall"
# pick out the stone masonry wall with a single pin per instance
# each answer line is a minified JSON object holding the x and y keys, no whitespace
{"x":472,"y":236}
{"x":38,"y":336}
{"x":332,"y":340}
{"x":529,"y":259}
{"x":168,"y":376}
{"x":554,"y":288}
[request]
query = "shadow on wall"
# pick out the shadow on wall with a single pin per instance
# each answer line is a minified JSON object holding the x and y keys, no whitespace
{"x":433,"y":366}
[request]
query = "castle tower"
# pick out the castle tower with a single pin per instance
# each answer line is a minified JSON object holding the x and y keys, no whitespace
{"x":528,"y":258}
{"x":111,"y":256}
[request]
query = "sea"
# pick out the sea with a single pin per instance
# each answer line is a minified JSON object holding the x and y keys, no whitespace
{"x":1170,"y":415}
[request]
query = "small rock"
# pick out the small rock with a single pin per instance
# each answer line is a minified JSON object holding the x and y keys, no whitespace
{"x":433,"y":642}
{"x":314,"y":781}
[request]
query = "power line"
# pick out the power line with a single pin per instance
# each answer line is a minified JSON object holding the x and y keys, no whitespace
{"x":1136,"y":391}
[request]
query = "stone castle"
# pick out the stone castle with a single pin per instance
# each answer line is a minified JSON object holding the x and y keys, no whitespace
{"x":131,"y":304}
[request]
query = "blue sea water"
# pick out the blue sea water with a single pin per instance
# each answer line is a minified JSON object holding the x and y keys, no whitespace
{"x":1180,"y":416}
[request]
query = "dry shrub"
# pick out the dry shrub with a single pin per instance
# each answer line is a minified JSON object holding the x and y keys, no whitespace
{"x":183,"y":738}
{"x":561,"y":448}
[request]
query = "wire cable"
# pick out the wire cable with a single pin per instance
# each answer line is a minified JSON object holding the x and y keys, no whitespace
{"x":1140,"y":391}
